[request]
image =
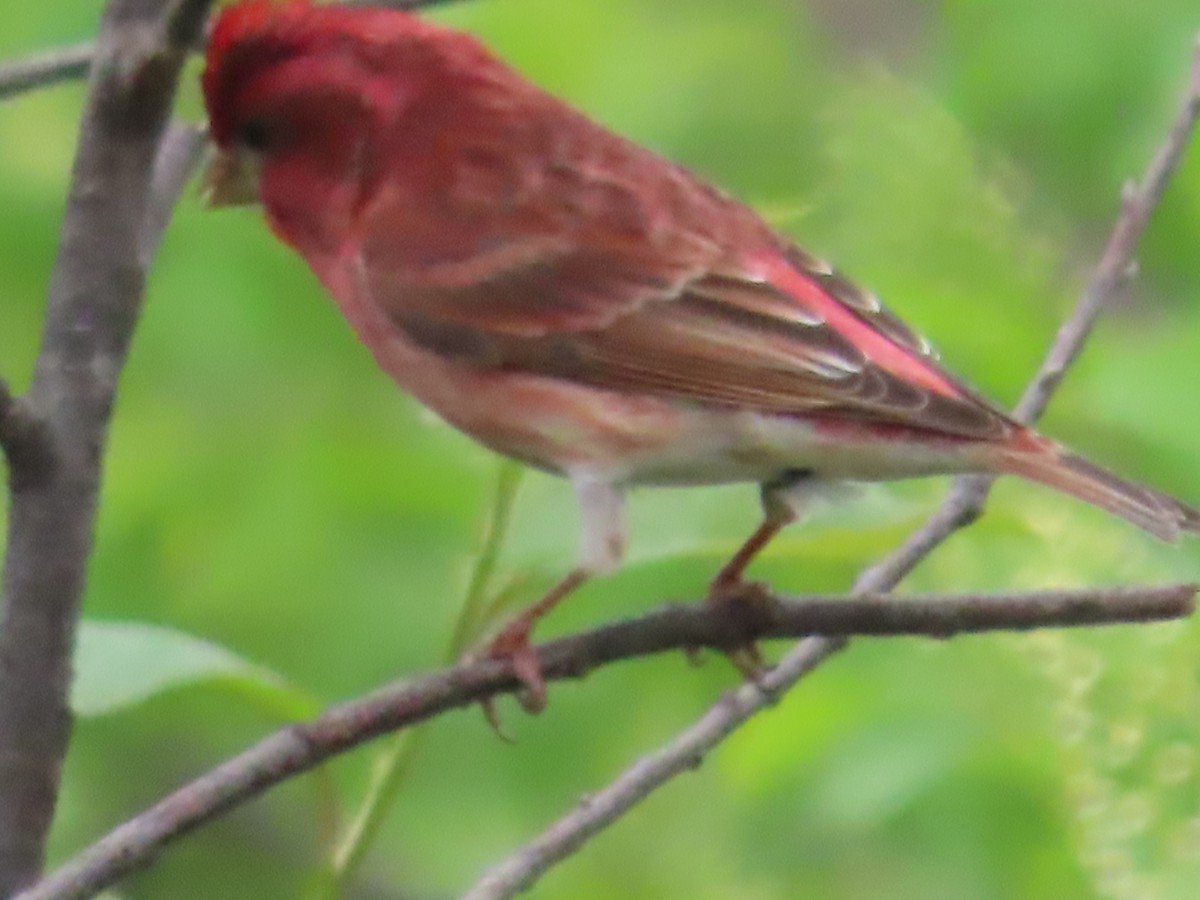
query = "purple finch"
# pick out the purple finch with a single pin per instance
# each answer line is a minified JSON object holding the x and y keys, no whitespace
{"x":573,"y":300}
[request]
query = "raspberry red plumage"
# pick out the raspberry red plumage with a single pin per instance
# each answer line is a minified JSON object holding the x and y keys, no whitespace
{"x":574,"y":300}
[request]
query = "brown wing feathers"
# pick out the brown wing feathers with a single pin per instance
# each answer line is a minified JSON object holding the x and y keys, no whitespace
{"x":718,"y":341}
{"x":659,"y":298}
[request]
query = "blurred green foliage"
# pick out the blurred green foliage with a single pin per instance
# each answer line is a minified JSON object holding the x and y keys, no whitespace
{"x":281,"y":529}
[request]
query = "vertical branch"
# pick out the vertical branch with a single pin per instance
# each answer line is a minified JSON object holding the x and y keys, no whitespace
{"x":92,"y":307}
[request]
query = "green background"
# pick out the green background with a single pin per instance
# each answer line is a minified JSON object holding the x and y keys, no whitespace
{"x":270,"y":493}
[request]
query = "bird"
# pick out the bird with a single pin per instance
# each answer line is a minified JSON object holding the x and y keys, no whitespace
{"x":574,"y":301}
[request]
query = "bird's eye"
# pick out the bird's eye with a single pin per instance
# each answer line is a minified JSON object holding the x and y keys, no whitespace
{"x":253,"y":134}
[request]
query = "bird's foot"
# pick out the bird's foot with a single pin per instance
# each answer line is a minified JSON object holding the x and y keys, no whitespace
{"x":512,"y":645}
{"x":735,"y":590}
{"x":746,"y":657}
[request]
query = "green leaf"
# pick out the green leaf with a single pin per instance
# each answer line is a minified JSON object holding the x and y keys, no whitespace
{"x":120,"y":664}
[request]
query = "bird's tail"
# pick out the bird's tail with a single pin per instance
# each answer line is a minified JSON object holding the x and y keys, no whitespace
{"x":1156,"y":512}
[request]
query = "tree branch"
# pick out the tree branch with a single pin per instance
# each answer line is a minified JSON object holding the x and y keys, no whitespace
{"x":46,"y":68}
{"x":299,"y":748}
{"x":93,"y":303}
{"x":1138,"y":202}
{"x":967,"y":496}
{"x":963,"y":504}
{"x":179,"y":154}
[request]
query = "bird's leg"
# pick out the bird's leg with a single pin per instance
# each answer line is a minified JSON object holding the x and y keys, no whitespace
{"x":601,"y":508}
{"x":728,"y":583}
{"x":512,"y":642}
{"x":783,"y":501}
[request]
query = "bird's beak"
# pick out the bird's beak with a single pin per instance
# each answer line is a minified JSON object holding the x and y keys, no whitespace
{"x":231,"y":178}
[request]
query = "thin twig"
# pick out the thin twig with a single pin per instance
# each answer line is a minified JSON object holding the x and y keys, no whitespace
{"x":963,"y":504}
{"x":1138,"y":202}
{"x":299,"y":748}
{"x":47,"y":68}
{"x":180,"y":152}
{"x":967,"y":495}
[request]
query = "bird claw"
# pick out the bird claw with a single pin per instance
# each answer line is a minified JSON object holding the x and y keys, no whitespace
{"x":492,"y":716}
{"x":746,"y":658}
{"x":528,"y":670}
{"x":735,"y":590}
{"x":512,"y":645}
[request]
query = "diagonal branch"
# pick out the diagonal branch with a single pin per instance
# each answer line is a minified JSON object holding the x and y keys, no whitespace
{"x":1138,"y":202}
{"x":963,"y":504}
{"x":301,"y":747}
{"x":179,"y":154}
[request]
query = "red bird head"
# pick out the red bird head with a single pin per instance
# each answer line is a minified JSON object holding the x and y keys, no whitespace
{"x":295,"y":92}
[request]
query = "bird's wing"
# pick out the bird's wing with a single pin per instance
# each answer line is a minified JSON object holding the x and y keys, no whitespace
{"x":621,"y":300}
